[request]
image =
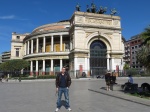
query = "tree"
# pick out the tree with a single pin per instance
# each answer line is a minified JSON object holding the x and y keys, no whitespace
{"x":14,"y":65}
{"x":143,"y":55}
{"x":126,"y":66}
{"x":146,"y":37}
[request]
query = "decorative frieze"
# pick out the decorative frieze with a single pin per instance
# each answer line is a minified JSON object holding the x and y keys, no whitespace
{"x":115,"y":22}
{"x":98,"y":21}
{"x":79,"y":19}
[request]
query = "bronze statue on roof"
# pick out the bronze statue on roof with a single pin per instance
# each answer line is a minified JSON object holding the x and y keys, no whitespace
{"x":113,"y":11}
{"x":93,"y":8}
{"x":78,"y":7}
{"x":102,"y":10}
{"x":87,"y":9}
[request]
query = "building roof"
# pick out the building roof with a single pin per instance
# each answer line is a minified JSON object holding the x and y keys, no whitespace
{"x":63,"y":25}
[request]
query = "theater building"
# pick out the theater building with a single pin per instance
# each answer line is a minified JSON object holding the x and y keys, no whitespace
{"x":88,"y":42}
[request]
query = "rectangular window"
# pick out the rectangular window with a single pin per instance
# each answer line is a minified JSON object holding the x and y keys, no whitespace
{"x":17,"y":52}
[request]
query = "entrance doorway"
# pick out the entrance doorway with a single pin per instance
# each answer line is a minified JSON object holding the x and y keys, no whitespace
{"x":98,"y":59}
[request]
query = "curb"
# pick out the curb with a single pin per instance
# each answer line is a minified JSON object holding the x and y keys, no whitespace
{"x":134,"y":77}
{"x":124,"y":97}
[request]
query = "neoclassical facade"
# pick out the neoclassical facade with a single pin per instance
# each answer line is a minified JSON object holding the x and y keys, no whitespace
{"x":88,"y":42}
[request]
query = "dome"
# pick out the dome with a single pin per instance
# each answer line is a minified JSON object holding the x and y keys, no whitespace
{"x":60,"y":26}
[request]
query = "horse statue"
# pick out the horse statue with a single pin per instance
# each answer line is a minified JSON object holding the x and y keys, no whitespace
{"x":113,"y":11}
{"x":93,"y":8}
{"x":78,"y":7}
{"x":87,"y":9}
{"x":102,"y":10}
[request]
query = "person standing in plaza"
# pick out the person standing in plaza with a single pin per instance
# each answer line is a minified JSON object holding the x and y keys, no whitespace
{"x":108,"y":80}
{"x":63,"y":82}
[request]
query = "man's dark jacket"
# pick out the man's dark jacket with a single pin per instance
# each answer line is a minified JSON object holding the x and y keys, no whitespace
{"x":67,"y":78}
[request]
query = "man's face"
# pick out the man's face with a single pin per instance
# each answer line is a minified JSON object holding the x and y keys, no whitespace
{"x":63,"y":70}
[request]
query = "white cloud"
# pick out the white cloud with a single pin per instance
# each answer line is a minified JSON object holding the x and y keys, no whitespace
{"x":7,"y":17}
{"x":12,"y":17}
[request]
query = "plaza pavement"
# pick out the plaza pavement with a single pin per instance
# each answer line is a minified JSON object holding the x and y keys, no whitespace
{"x":86,"y":95}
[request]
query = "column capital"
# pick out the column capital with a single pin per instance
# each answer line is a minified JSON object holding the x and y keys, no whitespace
{"x":108,"y":55}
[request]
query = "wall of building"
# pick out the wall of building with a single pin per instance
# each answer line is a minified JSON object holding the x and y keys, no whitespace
{"x":45,"y":48}
{"x":6,"y":56}
{"x":0,"y":59}
{"x":131,"y":47}
{"x":88,"y":27}
{"x":17,"y":45}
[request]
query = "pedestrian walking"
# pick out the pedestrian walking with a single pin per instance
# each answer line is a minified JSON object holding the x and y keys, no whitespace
{"x":63,"y":82}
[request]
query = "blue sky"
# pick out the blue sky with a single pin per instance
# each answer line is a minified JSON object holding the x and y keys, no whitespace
{"x":22,"y":16}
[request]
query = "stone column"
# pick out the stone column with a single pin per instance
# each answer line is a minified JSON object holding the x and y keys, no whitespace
{"x":37,"y":45}
{"x":88,"y":66}
{"x":108,"y":63}
{"x":75,"y":64}
{"x":52,"y":43}
{"x":43,"y":67}
{"x":60,"y":64}
{"x":61,"y":43}
{"x":31,"y":68}
{"x":52,"y":71}
{"x":31,"y":46}
{"x":112,"y":65}
{"x":37,"y":68}
{"x":25,"y":48}
{"x":44,"y":43}
{"x":28,"y":46}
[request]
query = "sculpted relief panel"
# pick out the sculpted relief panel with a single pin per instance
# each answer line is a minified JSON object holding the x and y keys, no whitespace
{"x":116,"y":22}
{"x":109,"y":35}
{"x":79,"y":19}
{"x":87,"y":34}
{"x":98,"y":21}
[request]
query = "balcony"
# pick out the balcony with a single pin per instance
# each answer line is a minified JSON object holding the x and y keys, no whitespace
{"x":47,"y":54}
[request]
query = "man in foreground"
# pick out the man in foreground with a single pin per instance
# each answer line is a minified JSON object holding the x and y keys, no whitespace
{"x":63,"y":82}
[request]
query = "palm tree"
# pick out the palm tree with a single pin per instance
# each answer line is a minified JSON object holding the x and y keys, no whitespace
{"x":143,"y":55}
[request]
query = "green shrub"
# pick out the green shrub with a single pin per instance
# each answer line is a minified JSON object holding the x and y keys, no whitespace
{"x":146,"y":75}
{"x":28,"y":78}
{"x":132,"y":72}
